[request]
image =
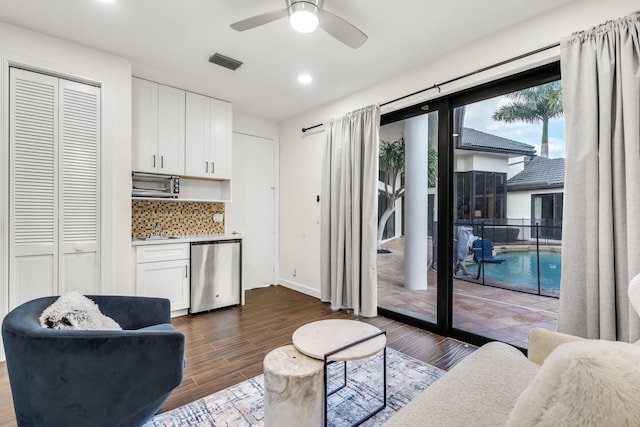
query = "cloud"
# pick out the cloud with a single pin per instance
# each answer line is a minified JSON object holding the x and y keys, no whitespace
{"x":556,"y":148}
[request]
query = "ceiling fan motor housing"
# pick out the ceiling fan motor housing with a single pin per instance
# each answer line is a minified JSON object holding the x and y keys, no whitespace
{"x":312,"y":6}
{"x":316,"y":3}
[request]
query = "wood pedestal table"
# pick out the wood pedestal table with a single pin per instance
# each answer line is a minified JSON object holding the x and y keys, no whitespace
{"x":341,"y":340}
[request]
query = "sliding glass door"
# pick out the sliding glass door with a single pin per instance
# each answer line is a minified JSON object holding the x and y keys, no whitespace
{"x":507,"y":150}
{"x":470,"y":210}
{"x":407,"y":228}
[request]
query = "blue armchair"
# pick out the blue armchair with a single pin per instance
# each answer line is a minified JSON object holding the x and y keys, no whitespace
{"x":93,"y":378}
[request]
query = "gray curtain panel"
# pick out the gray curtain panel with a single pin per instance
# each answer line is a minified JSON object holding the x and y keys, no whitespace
{"x":601,"y":226}
{"x":349,"y":213}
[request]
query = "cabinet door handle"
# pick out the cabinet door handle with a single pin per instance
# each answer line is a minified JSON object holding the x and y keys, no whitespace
{"x":206,"y":167}
{"x":154,"y":160}
{"x":213,"y":167}
{"x":186,"y":271}
{"x":161,"y":162}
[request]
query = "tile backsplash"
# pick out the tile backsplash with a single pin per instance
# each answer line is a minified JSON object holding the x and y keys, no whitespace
{"x":176,"y":218}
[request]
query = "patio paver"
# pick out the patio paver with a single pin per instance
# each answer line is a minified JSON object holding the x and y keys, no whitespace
{"x":496,"y":313}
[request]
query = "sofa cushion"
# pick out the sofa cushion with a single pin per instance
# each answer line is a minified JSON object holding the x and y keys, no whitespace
{"x":479,"y":391}
{"x":585,"y":383}
{"x":542,"y":342}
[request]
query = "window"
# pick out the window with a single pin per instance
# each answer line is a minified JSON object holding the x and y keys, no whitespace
{"x":492,"y":168}
{"x":480,"y":195}
{"x":546,"y":213}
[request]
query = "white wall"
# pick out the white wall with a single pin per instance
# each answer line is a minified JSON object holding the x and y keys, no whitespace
{"x":519,"y":202}
{"x":301,"y":154}
{"x":519,"y":206}
{"x":490,"y":163}
{"x":255,"y":126}
{"x":516,"y":165}
{"x":115,"y":72}
{"x":469,"y":161}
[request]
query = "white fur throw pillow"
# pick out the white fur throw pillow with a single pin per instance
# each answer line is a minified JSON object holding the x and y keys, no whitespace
{"x":75,"y":311}
{"x":585,"y":383}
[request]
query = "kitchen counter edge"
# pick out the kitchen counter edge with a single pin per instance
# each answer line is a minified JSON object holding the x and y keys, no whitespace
{"x":186,"y":239}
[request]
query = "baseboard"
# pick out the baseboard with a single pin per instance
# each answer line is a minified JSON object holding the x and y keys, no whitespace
{"x":300,"y":288}
{"x":178,"y":313}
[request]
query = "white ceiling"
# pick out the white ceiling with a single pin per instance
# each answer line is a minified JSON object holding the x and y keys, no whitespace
{"x":169,"y":41}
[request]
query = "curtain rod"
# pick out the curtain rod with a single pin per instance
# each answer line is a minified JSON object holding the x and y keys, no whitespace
{"x":437,"y":86}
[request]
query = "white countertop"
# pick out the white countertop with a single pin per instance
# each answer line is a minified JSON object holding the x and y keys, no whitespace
{"x":135,"y":241}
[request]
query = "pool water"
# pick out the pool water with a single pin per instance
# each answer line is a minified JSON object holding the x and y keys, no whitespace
{"x":521,"y":268}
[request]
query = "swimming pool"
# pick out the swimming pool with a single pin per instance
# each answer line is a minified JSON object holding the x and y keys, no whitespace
{"x":521,"y":269}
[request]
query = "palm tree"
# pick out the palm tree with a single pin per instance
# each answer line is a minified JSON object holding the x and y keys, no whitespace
{"x":533,"y":105}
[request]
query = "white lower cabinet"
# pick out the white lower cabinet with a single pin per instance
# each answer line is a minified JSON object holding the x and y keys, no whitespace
{"x":163,"y":271}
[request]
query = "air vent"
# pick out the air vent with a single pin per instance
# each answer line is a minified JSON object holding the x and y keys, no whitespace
{"x":225,"y":61}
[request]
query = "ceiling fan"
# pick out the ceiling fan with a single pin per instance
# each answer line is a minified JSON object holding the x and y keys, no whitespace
{"x":305,"y":16}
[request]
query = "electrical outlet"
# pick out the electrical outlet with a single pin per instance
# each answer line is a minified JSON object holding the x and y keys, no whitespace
{"x":218,"y":217}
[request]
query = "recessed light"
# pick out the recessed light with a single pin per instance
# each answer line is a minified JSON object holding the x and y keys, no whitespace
{"x":305,"y":79}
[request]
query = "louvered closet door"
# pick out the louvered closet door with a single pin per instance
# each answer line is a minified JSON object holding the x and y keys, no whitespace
{"x":79,"y":187}
{"x":54,"y":186}
{"x":33,"y":147}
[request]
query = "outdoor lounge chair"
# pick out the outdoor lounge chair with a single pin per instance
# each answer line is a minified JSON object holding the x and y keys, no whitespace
{"x":483,"y":253}
{"x":463,"y":244}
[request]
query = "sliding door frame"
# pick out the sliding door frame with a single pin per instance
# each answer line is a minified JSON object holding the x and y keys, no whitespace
{"x":445,"y":106}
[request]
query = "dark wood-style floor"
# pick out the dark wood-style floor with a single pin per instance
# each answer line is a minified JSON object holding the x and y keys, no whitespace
{"x":228,"y":346}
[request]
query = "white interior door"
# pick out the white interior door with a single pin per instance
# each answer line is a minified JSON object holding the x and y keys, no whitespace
{"x":33,"y":199}
{"x":79,"y":187}
{"x":252,"y":209}
{"x":54,"y":145}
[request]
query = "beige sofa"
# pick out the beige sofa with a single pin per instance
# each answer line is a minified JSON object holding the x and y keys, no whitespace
{"x":484,"y":388}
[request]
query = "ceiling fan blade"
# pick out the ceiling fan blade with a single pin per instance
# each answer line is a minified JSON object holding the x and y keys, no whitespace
{"x":341,"y":29}
{"x":256,"y":21}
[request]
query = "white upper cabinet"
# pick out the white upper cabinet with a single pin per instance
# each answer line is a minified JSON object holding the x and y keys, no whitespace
{"x":197,"y":136}
{"x":158,"y":137}
{"x":208,"y":138}
{"x":171,"y":107}
{"x":144,"y":111}
{"x":220,"y":144}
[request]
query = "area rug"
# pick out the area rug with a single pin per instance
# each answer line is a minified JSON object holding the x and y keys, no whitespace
{"x":241,"y":405}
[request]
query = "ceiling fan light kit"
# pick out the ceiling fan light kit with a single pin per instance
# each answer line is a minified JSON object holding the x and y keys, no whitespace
{"x":311,"y":12}
{"x":303,"y":16}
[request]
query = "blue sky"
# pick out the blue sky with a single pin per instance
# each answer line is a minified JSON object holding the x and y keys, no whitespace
{"x":478,"y":116}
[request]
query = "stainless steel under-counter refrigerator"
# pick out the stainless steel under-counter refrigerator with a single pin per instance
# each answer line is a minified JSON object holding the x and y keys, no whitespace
{"x":215,"y":274}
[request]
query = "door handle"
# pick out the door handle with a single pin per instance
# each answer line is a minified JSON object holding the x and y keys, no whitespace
{"x":213,"y":167}
{"x":161,"y":162}
{"x":186,"y":271}
{"x":154,"y":160}
{"x":206,"y":167}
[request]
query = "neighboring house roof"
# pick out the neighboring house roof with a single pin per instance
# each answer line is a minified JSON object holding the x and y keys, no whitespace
{"x":480,"y":141}
{"x":539,"y":173}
